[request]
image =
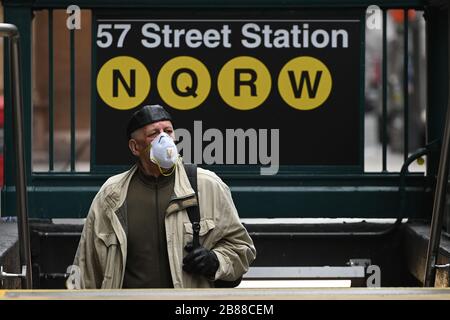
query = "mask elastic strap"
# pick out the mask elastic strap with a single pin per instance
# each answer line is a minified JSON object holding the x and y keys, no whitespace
{"x":147,"y":149}
{"x":160,"y":170}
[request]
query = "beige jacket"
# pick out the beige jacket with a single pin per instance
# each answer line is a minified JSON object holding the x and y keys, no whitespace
{"x":102,"y":250}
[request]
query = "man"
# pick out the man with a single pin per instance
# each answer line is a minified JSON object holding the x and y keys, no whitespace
{"x":138,"y":234}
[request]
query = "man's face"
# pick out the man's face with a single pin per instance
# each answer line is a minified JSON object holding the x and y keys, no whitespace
{"x":143,"y":137}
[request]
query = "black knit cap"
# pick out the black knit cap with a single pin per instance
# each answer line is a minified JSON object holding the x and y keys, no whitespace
{"x":146,"y":115}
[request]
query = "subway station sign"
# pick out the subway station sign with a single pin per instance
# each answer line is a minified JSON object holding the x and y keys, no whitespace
{"x":270,"y":90}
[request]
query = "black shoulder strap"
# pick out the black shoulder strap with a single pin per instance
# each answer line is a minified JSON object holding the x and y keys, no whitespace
{"x":194,"y":217}
{"x":193,"y":211}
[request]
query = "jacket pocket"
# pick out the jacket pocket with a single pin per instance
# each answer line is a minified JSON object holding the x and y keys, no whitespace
{"x":206,"y":225}
{"x":108,"y":258}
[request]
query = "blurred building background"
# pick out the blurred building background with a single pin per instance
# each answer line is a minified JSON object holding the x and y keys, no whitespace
{"x":61,"y":90}
{"x":416,"y":84}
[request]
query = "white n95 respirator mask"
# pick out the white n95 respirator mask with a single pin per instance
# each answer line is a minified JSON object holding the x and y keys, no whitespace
{"x":163,"y":151}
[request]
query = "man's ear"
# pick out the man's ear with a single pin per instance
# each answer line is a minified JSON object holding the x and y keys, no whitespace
{"x":132,"y":144}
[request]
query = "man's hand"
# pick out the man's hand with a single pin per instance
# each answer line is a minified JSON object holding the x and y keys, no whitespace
{"x":201,"y":261}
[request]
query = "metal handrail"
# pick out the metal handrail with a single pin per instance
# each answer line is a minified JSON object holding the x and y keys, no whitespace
{"x":429,"y":148}
{"x":11,"y":32}
{"x":439,"y":199}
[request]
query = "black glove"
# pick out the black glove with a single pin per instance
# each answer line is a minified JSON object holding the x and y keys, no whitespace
{"x":201,"y":261}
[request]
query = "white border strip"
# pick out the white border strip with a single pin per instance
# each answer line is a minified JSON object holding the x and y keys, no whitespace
{"x":298,"y":273}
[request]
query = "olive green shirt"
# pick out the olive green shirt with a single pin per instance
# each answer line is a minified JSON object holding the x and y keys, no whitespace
{"x":147,"y":264}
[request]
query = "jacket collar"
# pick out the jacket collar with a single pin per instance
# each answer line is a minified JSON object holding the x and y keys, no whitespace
{"x":183,"y":194}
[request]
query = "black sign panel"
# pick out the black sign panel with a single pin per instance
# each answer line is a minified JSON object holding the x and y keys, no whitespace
{"x":242,"y":89}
